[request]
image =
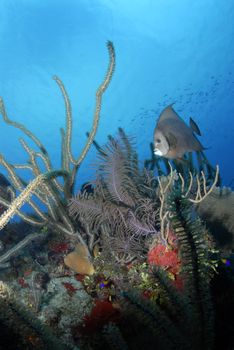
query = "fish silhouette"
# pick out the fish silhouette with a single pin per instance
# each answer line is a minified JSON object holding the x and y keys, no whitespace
{"x":173,"y":137}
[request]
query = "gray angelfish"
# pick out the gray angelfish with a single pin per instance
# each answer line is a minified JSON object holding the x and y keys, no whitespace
{"x":173,"y":137}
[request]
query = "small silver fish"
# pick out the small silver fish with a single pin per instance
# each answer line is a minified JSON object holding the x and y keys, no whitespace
{"x":173,"y":138}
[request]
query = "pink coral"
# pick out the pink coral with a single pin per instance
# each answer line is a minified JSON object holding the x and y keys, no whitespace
{"x":165,"y":257}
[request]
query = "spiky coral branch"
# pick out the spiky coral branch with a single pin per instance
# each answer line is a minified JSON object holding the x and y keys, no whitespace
{"x":201,"y":192}
{"x":51,"y":193}
{"x":20,"y":200}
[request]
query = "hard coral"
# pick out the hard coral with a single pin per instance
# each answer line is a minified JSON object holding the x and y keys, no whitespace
{"x":79,"y":260}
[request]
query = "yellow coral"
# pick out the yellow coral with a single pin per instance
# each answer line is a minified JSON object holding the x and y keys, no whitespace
{"x":79,"y":260}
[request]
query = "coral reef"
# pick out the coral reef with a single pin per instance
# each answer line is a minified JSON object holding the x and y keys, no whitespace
{"x":26,"y":331}
{"x":129,"y":262}
{"x":29,"y":272}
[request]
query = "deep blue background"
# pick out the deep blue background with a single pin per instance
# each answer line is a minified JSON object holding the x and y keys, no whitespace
{"x":167,"y":50}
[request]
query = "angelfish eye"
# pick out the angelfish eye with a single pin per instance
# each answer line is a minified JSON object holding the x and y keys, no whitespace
{"x":158,"y":140}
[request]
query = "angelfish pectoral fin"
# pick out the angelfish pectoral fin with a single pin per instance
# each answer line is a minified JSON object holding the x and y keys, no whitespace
{"x":172,"y":140}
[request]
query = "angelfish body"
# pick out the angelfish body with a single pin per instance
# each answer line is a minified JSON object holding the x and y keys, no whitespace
{"x":173,"y":137}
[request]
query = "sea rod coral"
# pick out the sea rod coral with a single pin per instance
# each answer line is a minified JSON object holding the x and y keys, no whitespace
{"x":45,"y":186}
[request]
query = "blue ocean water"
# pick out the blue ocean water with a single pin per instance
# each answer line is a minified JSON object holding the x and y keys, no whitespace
{"x":166,"y":51}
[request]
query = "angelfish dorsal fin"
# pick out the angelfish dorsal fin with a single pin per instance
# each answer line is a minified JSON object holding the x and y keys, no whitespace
{"x":194,"y":127}
{"x":168,"y":113}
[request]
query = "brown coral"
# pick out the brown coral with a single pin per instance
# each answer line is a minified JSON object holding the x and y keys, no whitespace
{"x":217,"y":210}
{"x":79,"y":261}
